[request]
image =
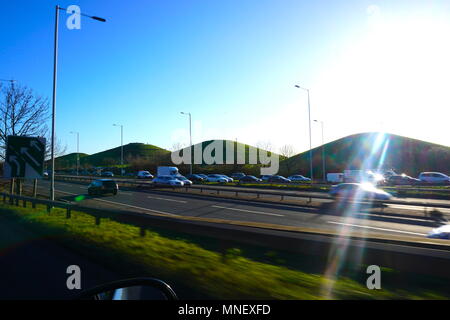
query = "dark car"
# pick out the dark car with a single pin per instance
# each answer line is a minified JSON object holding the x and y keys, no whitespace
{"x":107,"y":174}
{"x":204,"y":176}
{"x":103,"y":186}
{"x":195,"y":177}
{"x":249,"y":179}
{"x":237,"y":175}
{"x":278,"y":179}
{"x":402,"y":180}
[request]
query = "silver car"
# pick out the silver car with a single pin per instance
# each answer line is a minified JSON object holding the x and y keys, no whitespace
{"x":170,"y":181}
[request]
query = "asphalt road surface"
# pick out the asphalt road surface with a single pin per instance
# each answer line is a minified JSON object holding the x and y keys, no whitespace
{"x":410,"y":222}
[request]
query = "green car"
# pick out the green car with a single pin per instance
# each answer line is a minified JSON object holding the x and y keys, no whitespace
{"x":103,"y":186}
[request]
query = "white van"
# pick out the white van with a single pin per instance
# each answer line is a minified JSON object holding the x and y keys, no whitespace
{"x":168,"y":171}
{"x":335,"y":177}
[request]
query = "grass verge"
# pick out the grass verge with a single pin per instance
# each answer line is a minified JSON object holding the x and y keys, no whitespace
{"x":194,"y":264}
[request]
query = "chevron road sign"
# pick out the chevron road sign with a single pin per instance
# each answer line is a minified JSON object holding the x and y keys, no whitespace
{"x":24,"y":157}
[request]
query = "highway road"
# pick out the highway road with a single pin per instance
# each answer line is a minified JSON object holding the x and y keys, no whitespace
{"x":410,"y":222}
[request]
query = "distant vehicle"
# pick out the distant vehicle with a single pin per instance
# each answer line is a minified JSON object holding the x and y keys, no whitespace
{"x":434,"y":177}
{"x":359,"y":191}
{"x":280,"y":179}
{"x":265,"y":177}
{"x":402,"y":180}
{"x":144,"y":175}
{"x":130,"y":174}
{"x":45,"y":174}
{"x":443,"y":232}
{"x":298,"y":178}
{"x":103,"y":186}
{"x":361,"y":176}
{"x":229,"y":179}
{"x":167,"y":171}
{"x":237,"y":175}
{"x":335,"y":177}
{"x":167,"y":181}
{"x":249,"y":179}
{"x":216,"y":178}
{"x":195,"y":177}
{"x":204,"y":176}
{"x":186,"y":181}
{"x":107,"y":174}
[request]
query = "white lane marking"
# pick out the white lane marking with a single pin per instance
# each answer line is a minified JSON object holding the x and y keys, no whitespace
{"x":249,"y":211}
{"x":382,"y":229}
{"x":126,"y":205}
{"x":166,"y":199}
{"x":416,"y":208}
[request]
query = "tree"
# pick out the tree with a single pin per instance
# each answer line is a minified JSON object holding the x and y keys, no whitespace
{"x":24,"y":113}
{"x":287,"y":151}
{"x":176,"y":146}
{"x":264,"y":145}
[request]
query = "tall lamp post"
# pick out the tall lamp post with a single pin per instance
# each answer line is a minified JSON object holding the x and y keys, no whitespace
{"x":55,"y":71}
{"x":121,"y":146}
{"x":78,"y":149}
{"x":323,"y":153}
{"x":190,"y":135}
{"x":310,"y":142}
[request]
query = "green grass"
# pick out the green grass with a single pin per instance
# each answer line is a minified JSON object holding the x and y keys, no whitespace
{"x":192,"y":262}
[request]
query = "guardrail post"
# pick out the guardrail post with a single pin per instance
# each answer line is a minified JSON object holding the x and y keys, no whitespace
{"x":68,"y":213}
{"x":282,"y":197}
{"x":33,"y":205}
{"x":24,"y":203}
{"x":236,"y":193}
{"x":257,"y":195}
{"x":97,"y":221}
{"x":35,"y":182}
{"x":218,"y":191}
{"x":142,"y":232}
{"x":49,"y":208}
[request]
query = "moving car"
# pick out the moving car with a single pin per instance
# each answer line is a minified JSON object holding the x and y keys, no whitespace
{"x":298,"y":178}
{"x":443,"y":232}
{"x":144,"y":175}
{"x":229,"y":179}
{"x":170,"y":181}
{"x":201,"y":175}
{"x":265,"y":177}
{"x":216,"y":178}
{"x":249,"y":179}
{"x":107,"y":174}
{"x":434,"y":177}
{"x":195,"y":177}
{"x":402,"y":180}
{"x":187,"y":182}
{"x":280,"y":179}
{"x":238,"y":175}
{"x":103,"y":186}
{"x":359,"y":191}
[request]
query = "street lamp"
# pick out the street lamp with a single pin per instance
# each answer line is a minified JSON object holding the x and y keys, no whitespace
{"x":78,"y":148}
{"x":323,"y":153}
{"x":310,"y":142}
{"x":55,"y":71}
{"x":190,"y":135}
{"x":121,"y":146}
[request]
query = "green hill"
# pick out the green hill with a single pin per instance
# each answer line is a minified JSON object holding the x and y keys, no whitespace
{"x":131,"y":152}
{"x":372,"y":150}
{"x":224,"y":168}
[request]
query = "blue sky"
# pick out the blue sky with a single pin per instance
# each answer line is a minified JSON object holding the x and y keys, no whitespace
{"x":371,"y":65}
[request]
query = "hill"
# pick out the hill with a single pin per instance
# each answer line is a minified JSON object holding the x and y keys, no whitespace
{"x":372,"y":150}
{"x":131,"y":152}
{"x":220,"y":155}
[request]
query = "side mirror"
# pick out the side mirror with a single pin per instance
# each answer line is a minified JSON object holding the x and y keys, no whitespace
{"x":131,"y":289}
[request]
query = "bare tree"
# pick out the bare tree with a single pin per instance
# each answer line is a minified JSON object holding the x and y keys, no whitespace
{"x":287,"y":151}
{"x":265,"y":145}
{"x":24,"y":113}
{"x":177,"y":146}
